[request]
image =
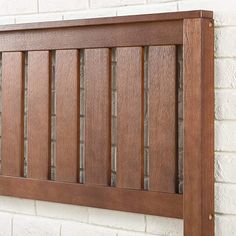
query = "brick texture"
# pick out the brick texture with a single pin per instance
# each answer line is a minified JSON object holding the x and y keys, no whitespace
{"x":5,"y":224}
{"x":225,"y":104}
{"x":225,"y":166}
{"x":114,"y":3}
{"x":61,"y":5}
{"x":16,"y":7}
{"x":123,"y":220}
{"x":225,"y":73}
{"x":225,"y":135}
{"x":17,"y":205}
{"x":62,"y":211}
{"x":35,"y":226}
{"x":74,"y":229}
{"x":164,"y":226}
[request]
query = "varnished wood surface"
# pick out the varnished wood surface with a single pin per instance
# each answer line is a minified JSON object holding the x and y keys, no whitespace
{"x":67,"y":115}
{"x":12,"y":114}
{"x":208,"y":128}
{"x":198,"y":128}
{"x":97,"y":117}
{"x":162,"y":119}
{"x":130,"y":114}
{"x":39,"y":133}
{"x":146,"y":202}
{"x":129,"y":34}
{"x":110,"y":20}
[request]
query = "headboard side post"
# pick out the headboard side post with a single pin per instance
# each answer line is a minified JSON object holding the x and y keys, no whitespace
{"x":198,"y":67}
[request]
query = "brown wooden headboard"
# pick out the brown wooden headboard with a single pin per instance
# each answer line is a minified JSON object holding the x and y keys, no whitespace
{"x":89,"y":114}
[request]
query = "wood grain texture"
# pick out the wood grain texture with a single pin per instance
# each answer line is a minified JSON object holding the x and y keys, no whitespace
{"x":12,"y":114}
{"x":198,"y":128}
{"x":39,"y":133}
{"x":130,"y":114}
{"x":168,"y":16}
{"x":146,"y":33}
{"x":162,"y":119}
{"x":67,"y":115}
{"x":146,"y":202}
{"x":97,"y":117}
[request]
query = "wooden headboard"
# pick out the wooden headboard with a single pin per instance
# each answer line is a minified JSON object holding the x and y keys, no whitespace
{"x":90,"y":114}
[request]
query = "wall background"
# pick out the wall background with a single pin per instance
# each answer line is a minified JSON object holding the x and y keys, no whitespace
{"x":20,"y":217}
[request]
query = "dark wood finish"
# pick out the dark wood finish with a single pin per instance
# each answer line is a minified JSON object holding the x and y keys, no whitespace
{"x":67,"y":115}
{"x":110,"y":20}
{"x":130,"y":114}
{"x":162,"y":32}
{"x":198,"y":127}
{"x":39,"y":133}
{"x":146,"y":33}
{"x":153,"y":29}
{"x":97,"y":117}
{"x":12,"y":114}
{"x":162,"y":119}
{"x":147,"y":202}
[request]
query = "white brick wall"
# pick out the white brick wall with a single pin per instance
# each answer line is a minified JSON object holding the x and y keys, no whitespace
{"x":5,"y":224}
{"x":16,"y":7}
{"x":20,"y":217}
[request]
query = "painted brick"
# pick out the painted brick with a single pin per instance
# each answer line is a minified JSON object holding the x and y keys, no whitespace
{"x":15,"y":7}
{"x":225,"y":225}
{"x":108,"y":12}
{"x":164,"y":226}
{"x":62,"y":211}
{"x":225,"y":104}
{"x":225,"y":135}
{"x":148,"y":9}
{"x":225,"y":73}
{"x":5,"y":224}
{"x":17,"y":205}
{"x":117,"y":219}
{"x":128,"y":233}
{"x":212,"y":5}
{"x":114,"y":3}
{"x":38,"y":18}
{"x":75,"y":229}
{"x":225,"y":38}
{"x":225,"y":19}
{"x":6,"y":20}
{"x":225,"y":198}
{"x":35,"y":226}
{"x":62,"y":5}
{"x":160,"y":1}
{"x":225,"y":166}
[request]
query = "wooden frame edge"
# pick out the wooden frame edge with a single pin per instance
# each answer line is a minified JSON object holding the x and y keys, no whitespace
{"x":198,"y":43}
{"x":146,"y":33}
{"x":169,"y":16}
{"x":121,"y":199}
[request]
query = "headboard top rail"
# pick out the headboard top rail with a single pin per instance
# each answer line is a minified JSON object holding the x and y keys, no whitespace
{"x":170,"y":16}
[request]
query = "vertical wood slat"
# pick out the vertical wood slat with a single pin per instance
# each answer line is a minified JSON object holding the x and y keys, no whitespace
{"x":162,"y":118}
{"x":97,"y":117}
{"x":12,"y":114}
{"x":198,"y":127}
{"x":39,"y":114}
{"x":130,"y":117}
{"x":67,"y":115}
